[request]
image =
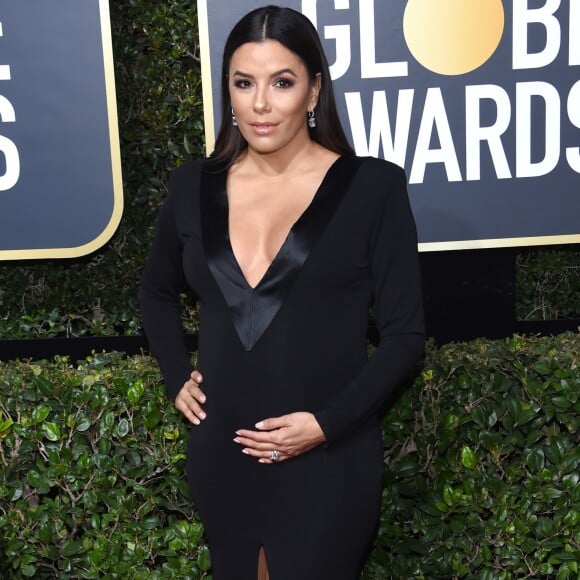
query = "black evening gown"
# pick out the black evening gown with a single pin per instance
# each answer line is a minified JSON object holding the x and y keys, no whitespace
{"x":295,"y":342}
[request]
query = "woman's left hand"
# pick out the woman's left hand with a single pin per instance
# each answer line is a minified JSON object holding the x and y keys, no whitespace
{"x":289,"y":435}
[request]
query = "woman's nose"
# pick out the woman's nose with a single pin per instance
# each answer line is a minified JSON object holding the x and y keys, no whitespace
{"x":261,"y":99}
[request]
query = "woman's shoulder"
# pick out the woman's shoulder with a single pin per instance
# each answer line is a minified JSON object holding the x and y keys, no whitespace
{"x":377,"y":181}
{"x":380,"y":168}
{"x":186,"y":173}
{"x":185,"y":181}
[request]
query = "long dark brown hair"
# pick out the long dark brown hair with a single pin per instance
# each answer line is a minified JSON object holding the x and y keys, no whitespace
{"x":295,"y":32}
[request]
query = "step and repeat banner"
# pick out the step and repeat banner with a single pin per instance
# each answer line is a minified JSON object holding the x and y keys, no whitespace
{"x":479,"y":100}
{"x":60,"y":170}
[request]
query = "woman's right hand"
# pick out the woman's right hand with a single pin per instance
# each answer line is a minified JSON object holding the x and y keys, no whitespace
{"x":190,"y":398}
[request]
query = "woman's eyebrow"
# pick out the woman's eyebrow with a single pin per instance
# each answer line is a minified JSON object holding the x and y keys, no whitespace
{"x":289,"y":71}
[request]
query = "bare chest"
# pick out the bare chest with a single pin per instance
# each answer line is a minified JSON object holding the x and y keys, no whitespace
{"x":261,"y":215}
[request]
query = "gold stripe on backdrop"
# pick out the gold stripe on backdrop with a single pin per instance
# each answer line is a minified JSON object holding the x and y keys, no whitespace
{"x":206,"y":80}
{"x":499,"y":243}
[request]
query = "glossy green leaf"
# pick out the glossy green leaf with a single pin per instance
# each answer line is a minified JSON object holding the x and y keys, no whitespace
{"x":151,"y":522}
{"x":40,"y":413}
{"x":563,"y":403}
{"x":39,"y":481}
{"x":44,"y":385}
{"x":451,"y":422}
{"x":14,"y":548}
{"x":535,"y":459}
{"x":123,"y":428}
{"x":17,"y":491}
{"x":468,"y":457}
{"x":5,"y":427}
{"x":28,"y":570}
{"x":83,"y":423}
{"x":492,"y":418}
{"x":135,"y":392}
{"x":172,"y":435}
{"x":407,"y":467}
{"x":448,"y":496}
{"x":70,"y":548}
{"x":103,"y":462}
{"x":51,"y":431}
{"x":203,"y":558}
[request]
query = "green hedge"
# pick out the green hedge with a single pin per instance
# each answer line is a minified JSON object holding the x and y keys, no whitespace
{"x":481,"y":469}
{"x":548,"y":284}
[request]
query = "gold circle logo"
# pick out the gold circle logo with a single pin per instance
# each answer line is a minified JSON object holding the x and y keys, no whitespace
{"x":453,"y":37}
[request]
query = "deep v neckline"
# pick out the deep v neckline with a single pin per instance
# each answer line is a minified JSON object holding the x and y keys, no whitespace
{"x":289,"y":234}
{"x":252,"y":309}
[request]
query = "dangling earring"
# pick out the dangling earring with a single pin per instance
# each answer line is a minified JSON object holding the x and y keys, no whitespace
{"x":234,"y":120}
{"x":311,"y":119}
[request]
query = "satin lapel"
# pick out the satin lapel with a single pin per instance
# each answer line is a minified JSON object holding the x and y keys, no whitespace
{"x":218,"y":253}
{"x":252,"y":310}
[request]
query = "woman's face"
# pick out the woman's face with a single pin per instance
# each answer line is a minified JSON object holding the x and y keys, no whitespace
{"x":271,"y":92}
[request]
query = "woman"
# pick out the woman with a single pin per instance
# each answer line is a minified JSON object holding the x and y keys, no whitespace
{"x":286,"y":238}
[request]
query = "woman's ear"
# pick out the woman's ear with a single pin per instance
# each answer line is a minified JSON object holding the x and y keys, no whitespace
{"x":315,"y":91}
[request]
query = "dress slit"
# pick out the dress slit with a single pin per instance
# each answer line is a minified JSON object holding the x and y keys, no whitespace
{"x":262,"y":565}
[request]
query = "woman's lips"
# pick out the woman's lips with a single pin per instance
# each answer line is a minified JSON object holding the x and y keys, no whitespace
{"x":263,"y":128}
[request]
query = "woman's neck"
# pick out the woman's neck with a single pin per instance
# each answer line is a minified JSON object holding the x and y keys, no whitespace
{"x":282,"y":162}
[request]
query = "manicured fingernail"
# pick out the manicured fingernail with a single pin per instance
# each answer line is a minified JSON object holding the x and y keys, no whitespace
{"x":261,"y":461}
{"x":236,"y":440}
{"x":246,"y":451}
{"x":202,"y":399}
{"x":203,"y":415}
{"x":196,"y":421}
{"x":238,"y":433}
{"x":259,"y":425}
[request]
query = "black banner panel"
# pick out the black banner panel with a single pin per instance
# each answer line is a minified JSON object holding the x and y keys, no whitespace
{"x":479,"y":100}
{"x":60,"y":171}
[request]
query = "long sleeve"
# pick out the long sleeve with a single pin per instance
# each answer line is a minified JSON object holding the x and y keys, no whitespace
{"x":161,"y":283}
{"x":398,"y":312}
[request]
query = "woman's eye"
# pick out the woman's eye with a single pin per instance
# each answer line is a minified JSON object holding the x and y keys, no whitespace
{"x":242,"y":84}
{"x":283,"y":83}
